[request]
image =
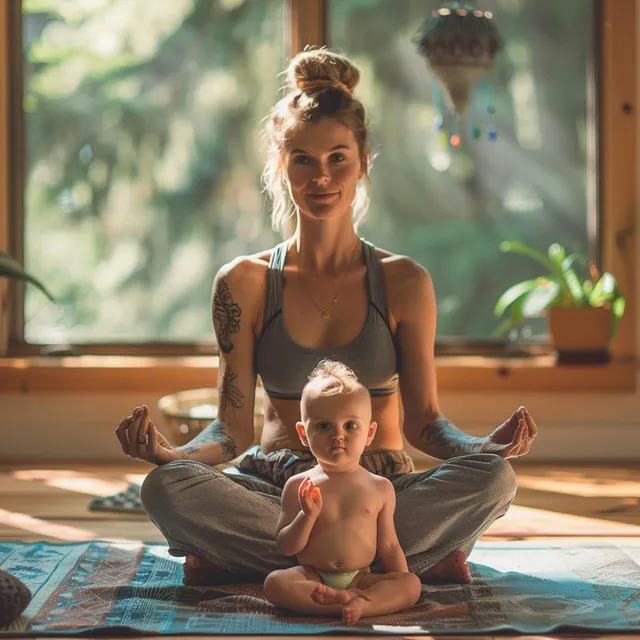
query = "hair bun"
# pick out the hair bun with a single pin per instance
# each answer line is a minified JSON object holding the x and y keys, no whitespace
{"x":317,"y":69}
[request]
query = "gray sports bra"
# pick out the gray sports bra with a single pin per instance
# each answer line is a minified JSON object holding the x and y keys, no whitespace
{"x":284,"y":366}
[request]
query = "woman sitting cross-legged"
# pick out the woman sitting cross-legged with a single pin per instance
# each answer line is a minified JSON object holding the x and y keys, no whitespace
{"x":325,"y":292}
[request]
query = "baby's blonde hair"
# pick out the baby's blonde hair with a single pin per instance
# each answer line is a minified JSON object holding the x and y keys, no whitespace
{"x":319,"y":84}
{"x":332,"y":378}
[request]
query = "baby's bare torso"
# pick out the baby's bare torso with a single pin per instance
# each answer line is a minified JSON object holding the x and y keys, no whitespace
{"x":344,"y":536}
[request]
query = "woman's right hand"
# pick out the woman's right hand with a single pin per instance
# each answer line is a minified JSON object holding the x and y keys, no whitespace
{"x":310,"y":498}
{"x":139,"y":438}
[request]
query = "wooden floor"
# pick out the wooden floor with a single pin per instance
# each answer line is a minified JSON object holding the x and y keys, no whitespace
{"x":554,"y":501}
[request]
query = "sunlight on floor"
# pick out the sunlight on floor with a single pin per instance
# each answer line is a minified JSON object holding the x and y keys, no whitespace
{"x":579,"y":484}
{"x":519,"y":522}
{"x":522,"y":521}
{"x":74,"y":481}
{"x":44,"y":528}
{"x":136,"y":478}
{"x":59,"y":532}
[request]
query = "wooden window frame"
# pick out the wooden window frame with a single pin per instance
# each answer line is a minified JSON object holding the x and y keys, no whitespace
{"x":158,"y":367}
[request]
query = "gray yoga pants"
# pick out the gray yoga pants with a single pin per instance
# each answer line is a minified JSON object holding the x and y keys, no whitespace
{"x":228,"y":518}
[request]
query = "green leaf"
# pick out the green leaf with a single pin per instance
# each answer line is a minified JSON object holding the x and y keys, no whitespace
{"x":574,"y":293}
{"x":567,"y":263}
{"x":603,"y":290}
{"x":526,"y":305}
{"x":557,"y":254}
{"x":509,"y":246}
{"x":606,"y":290}
{"x":11,"y":268}
{"x":514,"y":319}
{"x":40,"y":6}
{"x":574,"y":288}
{"x":540,"y":298}
{"x":618,"y":307}
{"x":617,"y":310}
{"x":515,"y":292}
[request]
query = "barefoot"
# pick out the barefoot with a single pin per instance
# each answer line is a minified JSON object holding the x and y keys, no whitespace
{"x":352,"y":611}
{"x":201,"y":573}
{"x":453,"y":568}
{"x":198,"y":572}
{"x":323,"y":594}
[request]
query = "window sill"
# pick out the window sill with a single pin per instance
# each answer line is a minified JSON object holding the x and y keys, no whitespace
{"x":160,"y":375}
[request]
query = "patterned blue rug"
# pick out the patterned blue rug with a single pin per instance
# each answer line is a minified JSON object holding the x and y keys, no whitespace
{"x":123,"y":588}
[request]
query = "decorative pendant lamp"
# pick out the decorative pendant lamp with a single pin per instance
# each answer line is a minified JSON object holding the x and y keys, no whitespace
{"x":460,"y":44}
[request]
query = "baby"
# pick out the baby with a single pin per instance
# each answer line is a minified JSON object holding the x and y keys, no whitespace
{"x":337,"y":517}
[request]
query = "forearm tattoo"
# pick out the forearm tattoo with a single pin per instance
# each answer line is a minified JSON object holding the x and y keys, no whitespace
{"x":228,"y":392}
{"x":433,"y":433}
{"x":226,"y":315}
{"x":214,"y":433}
{"x":441,"y":439}
{"x":228,"y":444}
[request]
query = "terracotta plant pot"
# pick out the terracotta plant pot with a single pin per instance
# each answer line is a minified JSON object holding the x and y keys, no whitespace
{"x":580,"y":335}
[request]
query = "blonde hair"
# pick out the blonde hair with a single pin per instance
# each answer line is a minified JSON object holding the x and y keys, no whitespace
{"x":320,"y":84}
{"x":332,"y":378}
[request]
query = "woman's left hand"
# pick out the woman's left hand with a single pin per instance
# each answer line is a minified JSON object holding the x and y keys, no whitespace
{"x":514,"y":437}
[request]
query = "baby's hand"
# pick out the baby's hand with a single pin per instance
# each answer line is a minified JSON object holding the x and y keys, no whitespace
{"x":310,"y":498}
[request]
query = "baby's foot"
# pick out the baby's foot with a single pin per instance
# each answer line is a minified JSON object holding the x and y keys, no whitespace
{"x":323,"y":594}
{"x":352,"y":611}
{"x":453,"y":568}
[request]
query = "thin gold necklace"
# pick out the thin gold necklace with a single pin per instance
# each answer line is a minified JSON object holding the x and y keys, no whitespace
{"x":326,"y":313}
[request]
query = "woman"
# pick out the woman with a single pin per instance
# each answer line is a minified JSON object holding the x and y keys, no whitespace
{"x":325,"y":292}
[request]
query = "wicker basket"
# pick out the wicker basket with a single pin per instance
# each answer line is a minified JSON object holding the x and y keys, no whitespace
{"x":187,"y":413}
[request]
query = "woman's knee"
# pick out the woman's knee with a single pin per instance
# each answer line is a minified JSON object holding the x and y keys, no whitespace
{"x":166,"y":484}
{"x":487,"y":475}
{"x":499,"y":477}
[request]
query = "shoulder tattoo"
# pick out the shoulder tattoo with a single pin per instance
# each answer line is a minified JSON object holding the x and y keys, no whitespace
{"x":226,"y":315}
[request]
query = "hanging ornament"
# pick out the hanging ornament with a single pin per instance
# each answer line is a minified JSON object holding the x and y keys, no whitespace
{"x":460,"y":44}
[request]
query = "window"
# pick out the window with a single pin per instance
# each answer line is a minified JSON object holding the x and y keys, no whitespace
{"x":141,"y":156}
{"x":142,"y":172}
{"x":449,"y":208}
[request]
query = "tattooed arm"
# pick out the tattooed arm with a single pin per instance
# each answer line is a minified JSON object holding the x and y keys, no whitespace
{"x":413,"y":304}
{"x":440,"y":438}
{"x":234,"y":313}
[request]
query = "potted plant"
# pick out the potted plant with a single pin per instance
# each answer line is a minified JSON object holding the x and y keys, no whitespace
{"x":582,"y":312}
{"x":11,"y":268}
